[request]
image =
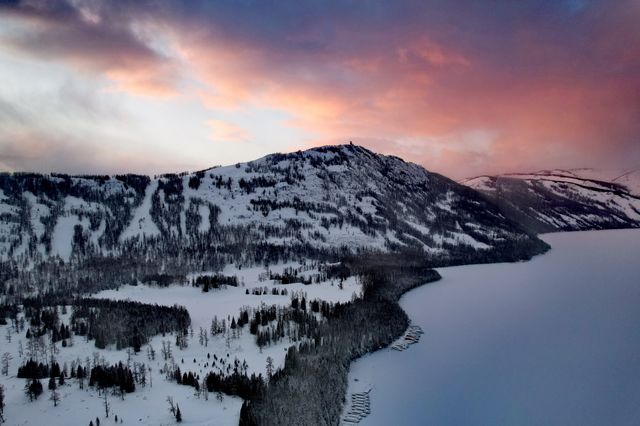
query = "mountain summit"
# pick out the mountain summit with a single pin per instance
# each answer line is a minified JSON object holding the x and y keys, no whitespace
{"x":325,"y":200}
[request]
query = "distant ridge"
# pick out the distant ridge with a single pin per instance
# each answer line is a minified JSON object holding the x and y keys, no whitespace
{"x":565,"y":200}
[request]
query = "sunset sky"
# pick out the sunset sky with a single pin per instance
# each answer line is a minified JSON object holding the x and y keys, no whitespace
{"x":460,"y":87}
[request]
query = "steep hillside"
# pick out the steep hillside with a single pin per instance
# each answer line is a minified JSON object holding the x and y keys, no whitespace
{"x":565,"y":200}
{"x":630,"y":180}
{"x":315,"y":203}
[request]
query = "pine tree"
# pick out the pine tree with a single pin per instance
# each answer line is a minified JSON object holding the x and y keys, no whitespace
{"x":269,"y":367}
{"x":33,"y":389}
{"x":2,"y":419}
{"x":178,"y":414}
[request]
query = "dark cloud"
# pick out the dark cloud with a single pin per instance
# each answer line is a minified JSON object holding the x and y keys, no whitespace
{"x":549,"y":80}
{"x":95,"y":37}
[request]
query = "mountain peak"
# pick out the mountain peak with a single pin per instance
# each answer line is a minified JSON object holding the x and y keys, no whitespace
{"x":322,"y":200}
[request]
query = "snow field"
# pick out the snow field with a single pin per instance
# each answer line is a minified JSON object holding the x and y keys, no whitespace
{"x":148,"y":406}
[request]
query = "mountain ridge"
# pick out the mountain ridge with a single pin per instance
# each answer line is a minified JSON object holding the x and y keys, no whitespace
{"x":565,"y":200}
{"x":325,"y":202}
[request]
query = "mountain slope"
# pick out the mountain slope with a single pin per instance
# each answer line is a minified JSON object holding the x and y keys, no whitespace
{"x":565,"y":200}
{"x":322,"y":200}
{"x":630,"y":180}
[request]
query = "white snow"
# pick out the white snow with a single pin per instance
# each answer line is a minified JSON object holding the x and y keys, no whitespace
{"x":588,"y":186}
{"x":480,"y":183}
{"x":204,"y":224}
{"x":631,"y":180}
{"x":63,"y":235}
{"x":142,"y":224}
{"x":147,"y":406}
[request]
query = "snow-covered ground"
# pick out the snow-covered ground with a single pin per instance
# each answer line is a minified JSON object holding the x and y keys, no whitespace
{"x":552,"y":341}
{"x":141,"y":223}
{"x":203,"y":306}
{"x":147,"y":406}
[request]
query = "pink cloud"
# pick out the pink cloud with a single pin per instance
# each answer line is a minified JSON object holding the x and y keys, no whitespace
{"x":222,"y":131}
{"x":564,"y":92}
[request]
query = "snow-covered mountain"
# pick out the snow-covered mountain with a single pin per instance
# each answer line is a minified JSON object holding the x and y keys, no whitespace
{"x":330,"y":198}
{"x":631,"y":180}
{"x":565,"y":200}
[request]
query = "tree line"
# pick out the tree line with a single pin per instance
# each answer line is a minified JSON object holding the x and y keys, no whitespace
{"x":312,"y":385}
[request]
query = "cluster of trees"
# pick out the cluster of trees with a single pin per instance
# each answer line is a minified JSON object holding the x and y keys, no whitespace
{"x":214,"y":281}
{"x":33,"y":389}
{"x":246,"y":387}
{"x":315,"y":371}
{"x":118,"y":194}
{"x":119,"y":376}
{"x":140,"y":260}
{"x":186,"y":379}
{"x":125,"y":323}
{"x":162,"y":280}
{"x":8,"y":311}
{"x":38,"y":370}
{"x":196,"y":180}
{"x":46,"y":321}
{"x":271,"y":324}
{"x":290,"y":276}
{"x":166,"y":205}
{"x":33,"y":372}
{"x":220,"y":182}
{"x":120,"y":322}
{"x":250,"y":185}
{"x":259,"y":291}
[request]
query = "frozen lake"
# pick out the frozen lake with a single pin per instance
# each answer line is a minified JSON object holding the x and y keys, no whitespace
{"x":553,"y":341}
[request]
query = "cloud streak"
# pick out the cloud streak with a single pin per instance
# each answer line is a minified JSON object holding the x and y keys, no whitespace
{"x":462,"y":88}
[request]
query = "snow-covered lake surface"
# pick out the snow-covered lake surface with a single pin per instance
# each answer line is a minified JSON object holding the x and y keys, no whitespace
{"x":553,"y":341}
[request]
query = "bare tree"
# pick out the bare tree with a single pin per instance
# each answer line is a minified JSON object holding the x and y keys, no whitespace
{"x":55,"y":397}
{"x":151,"y":353}
{"x":166,"y":350}
{"x":205,"y":390}
{"x":129,"y":355}
{"x":106,"y":404}
{"x":6,"y":359}
{"x":172,"y":407}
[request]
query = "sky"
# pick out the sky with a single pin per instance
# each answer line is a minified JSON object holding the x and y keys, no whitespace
{"x":461,"y":87}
